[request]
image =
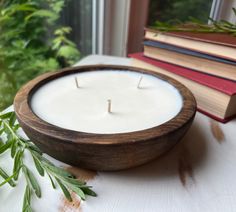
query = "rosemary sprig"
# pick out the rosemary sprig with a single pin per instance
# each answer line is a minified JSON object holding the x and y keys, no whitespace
{"x":17,"y":146}
{"x":194,"y":25}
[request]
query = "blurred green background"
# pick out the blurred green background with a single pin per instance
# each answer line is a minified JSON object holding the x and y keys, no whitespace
{"x":32,"y":41}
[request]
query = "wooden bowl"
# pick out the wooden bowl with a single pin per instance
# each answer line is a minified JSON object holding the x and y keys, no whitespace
{"x":102,"y":151}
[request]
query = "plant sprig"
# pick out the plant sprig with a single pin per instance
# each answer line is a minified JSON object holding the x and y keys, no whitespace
{"x":194,"y":25}
{"x":17,"y":145}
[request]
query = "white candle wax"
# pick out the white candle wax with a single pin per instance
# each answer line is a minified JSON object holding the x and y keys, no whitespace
{"x":85,"y":108}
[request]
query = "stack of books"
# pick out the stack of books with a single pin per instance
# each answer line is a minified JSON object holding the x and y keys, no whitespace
{"x":203,"y":62}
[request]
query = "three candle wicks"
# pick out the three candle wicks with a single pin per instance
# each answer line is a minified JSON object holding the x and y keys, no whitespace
{"x":109,"y":100}
{"x":138,"y":86}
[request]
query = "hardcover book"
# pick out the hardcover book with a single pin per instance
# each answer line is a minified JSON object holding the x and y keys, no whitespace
{"x":217,"y":44}
{"x":200,"y":64}
{"x":186,"y":51}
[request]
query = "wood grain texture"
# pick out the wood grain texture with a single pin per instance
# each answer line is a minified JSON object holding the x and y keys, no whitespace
{"x":102,"y":151}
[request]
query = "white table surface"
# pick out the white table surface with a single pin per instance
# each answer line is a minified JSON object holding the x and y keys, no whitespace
{"x":199,"y":174}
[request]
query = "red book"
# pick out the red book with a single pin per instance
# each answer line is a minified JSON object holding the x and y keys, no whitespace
{"x":215,"y":96}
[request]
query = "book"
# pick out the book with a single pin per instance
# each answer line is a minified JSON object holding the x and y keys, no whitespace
{"x":188,"y":52}
{"x":216,"y":97}
{"x":217,"y":44}
{"x":191,"y":62}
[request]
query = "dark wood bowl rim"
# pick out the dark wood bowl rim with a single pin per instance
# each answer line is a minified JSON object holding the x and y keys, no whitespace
{"x":27,"y":117}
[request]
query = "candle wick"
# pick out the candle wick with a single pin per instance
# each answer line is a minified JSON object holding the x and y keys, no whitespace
{"x":109,"y":106}
{"x":139,"y":82}
{"x":76,"y":82}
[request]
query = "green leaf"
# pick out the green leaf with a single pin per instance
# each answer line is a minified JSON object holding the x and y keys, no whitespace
{"x":57,"y":6}
{"x":73,"y":181}
{"x":13,"y":148}
{"x":27,"y":200}
{"x":44,"y":162}
{"x":12,"y":119}
{"x":88,"y":191}
{"x":58,"y":171}
{"x":62,"y":31}
{"x":38,"y":166}
{"x":65,"y":190}
{"x":16,"y":127}
{"x":6,"y":115}
{"x":78,"y":191}
{"x":7,"y":178}
{"x":1,"y":131}
{"x":42,"y":14}
{"x":52,"y":182}
{"x":33,"y":181}
{"x":17,"y":163}
{"x":10,"y":136}
{"x":68,"y":52}
{"x":13,"y":8}
{"x":4,"y":147}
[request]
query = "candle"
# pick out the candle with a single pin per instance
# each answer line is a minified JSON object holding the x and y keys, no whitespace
{"x":84,"y":106}
{"x":98,"y":103}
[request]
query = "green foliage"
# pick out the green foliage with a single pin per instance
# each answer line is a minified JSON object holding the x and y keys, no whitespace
{"x":7,"y":88}
{"x":31,"y":43}
{"x":169,"y":10}
{"x":17,"y":146}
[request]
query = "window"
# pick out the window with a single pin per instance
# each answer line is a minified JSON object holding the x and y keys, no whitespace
{"x":78,"y":14}
{"x":167,"y":10}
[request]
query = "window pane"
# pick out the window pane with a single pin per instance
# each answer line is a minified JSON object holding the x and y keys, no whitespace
{"x":165,"y":10}
{"x":78,"y":15}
